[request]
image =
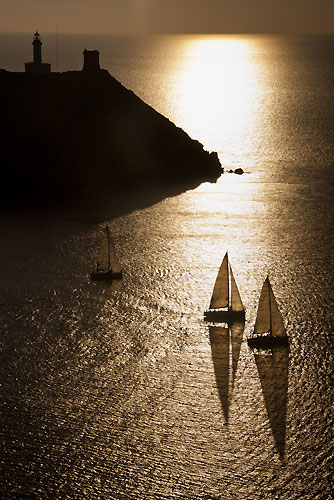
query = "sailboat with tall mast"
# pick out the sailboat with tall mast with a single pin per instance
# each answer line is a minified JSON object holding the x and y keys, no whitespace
{"x":226,"y":304}
{"x":108,"y":266}
{"x":269,"y":328}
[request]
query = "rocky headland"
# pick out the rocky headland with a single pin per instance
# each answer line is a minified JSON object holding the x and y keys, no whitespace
{"x":80,"y":133}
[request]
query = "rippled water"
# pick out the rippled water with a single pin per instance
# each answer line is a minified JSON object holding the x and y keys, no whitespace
{"x":122,"y":391}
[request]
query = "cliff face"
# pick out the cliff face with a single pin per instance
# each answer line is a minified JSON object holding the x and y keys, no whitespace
{"x":78,"y":131}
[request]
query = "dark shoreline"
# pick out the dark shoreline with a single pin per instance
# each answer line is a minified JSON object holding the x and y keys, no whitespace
{"x":82,"y":137}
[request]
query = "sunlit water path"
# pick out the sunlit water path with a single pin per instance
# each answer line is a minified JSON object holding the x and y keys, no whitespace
{"x":122,"y":391}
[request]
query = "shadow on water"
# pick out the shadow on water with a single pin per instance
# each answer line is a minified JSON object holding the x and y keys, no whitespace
{"x":100,"y":205}
{"x":273,"y":366}
{"x":225,"y":349}
{"x":121,"y":202}
{"x":236,"y":331}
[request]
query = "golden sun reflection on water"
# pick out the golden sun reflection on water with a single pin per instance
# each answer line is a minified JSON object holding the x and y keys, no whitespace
{"x":218,"y":86}
{"x":217,"y":94}
{"x":232,"y":195}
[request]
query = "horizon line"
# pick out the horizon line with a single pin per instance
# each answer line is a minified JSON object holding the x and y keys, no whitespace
{"x":259,"y":33}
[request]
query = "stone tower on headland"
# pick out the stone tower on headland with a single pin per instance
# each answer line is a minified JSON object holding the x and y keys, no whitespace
{"x":37,"y":66}
{"x":91,"y":60}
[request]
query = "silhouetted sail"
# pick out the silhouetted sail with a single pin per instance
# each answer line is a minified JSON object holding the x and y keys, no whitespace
{"x":269,"y":319}
{"x":277,"y":325}
{"x":113,"y":261}
{"x":226,"y":304}
{"x":108,"y":266}
{"x":269,"y":327}
{"x":220,"y":293}
{"x":236,"y":303}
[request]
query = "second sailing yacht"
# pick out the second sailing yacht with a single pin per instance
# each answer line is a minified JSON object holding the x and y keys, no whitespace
{"x":269,"y":328}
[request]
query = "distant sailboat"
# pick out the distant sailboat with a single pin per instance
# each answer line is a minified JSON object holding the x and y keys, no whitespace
{"x":269,"y":327}
{"x":108,"y":266}
{"x":226,"y":304}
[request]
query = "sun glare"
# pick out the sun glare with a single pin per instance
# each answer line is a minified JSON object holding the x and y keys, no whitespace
{"x":217,"y":96}
{"x":218,"y":86}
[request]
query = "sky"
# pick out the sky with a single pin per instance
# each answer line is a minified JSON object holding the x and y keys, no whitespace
{"x":168,"y":16}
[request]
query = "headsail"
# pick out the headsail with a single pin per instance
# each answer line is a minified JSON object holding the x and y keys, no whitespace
{"x":221,"y":289}
{"x":277,"y":325}
{"x":268,"y":317}
{"x":107,"y":258}
{"x":113,"y":260}
{"x":236,"y":302}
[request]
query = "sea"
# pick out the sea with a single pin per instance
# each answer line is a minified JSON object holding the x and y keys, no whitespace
{"x":121,"y":391}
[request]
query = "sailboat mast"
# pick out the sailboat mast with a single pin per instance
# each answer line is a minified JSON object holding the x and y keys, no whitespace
{"x":229,"y":288}
{"x":270,"y":318}
{"x":228,"y":284}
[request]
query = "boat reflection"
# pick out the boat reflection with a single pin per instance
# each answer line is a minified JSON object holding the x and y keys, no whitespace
{"x":273,"y":366}
{"x":225,"y":349}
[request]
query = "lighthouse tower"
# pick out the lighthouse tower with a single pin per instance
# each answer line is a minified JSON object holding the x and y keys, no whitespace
{"x":37,"y":44}
{"x":37,"y":66}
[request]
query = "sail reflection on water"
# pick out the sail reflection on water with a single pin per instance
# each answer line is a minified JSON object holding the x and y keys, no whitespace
{"x":225,"y":349}
{"x":273,"y":366}
{"x":236,"y":332}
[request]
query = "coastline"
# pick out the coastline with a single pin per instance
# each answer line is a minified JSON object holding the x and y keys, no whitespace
{"x":82,"y":135}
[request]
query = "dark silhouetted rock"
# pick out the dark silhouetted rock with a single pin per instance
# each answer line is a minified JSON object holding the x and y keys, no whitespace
{"x":83,"y":132}
{"x":237,"y":171}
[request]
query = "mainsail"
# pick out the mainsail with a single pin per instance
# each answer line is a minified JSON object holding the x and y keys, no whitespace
{"x":269,"y":319}
{"x":221,"y":289}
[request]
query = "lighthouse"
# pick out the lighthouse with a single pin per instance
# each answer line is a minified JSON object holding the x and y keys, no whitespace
{"x":37,"y":44}
{"x":37,"y":66}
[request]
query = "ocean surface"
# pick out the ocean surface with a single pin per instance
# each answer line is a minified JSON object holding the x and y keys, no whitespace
{"x":121,"y":391}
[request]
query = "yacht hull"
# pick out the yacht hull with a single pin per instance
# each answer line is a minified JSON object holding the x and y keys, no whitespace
{"x":221,"y":316}
{"x":105,"y":275}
